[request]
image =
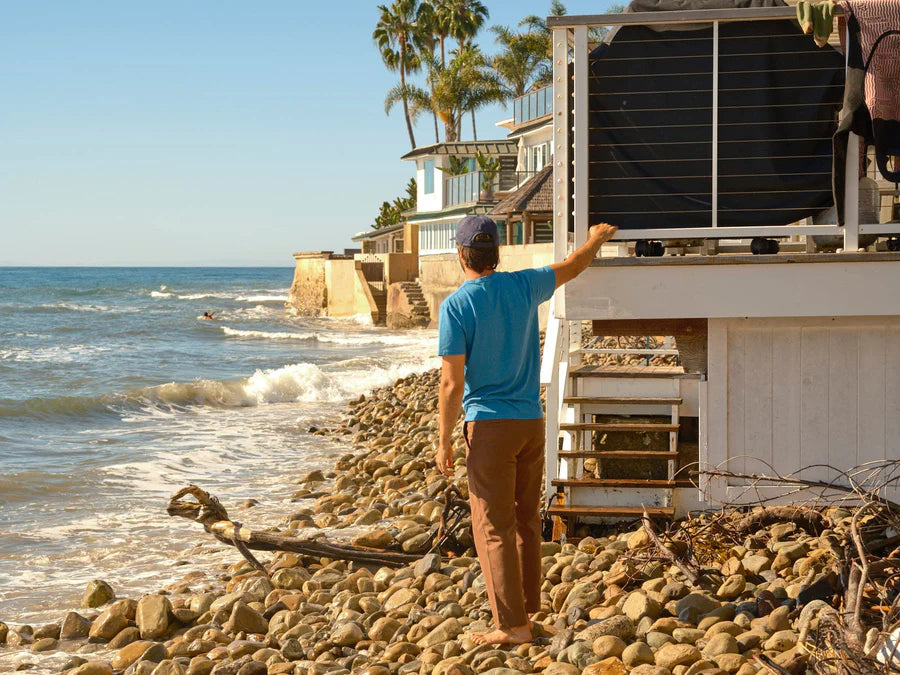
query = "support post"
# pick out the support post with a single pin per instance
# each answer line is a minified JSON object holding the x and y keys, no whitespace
{"x":560,"y":154}
{"x":580,"y":150}
{"x":715,"y":125}
{"x":851,"y":194}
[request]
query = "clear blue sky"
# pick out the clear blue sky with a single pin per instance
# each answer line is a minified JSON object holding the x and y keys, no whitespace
{"x":202,"y":132}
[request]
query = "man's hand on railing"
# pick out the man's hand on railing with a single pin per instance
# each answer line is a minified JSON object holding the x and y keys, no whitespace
{"x":581,"y":259}
{"x":602,"y":231}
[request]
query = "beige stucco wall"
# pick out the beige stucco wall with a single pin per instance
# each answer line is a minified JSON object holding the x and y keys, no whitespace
{"x":345,"y":294}
{"x":440,"y":275}
{"x":308,"y":295}
{"x":411,"y":238}
{"x":326,"y":285}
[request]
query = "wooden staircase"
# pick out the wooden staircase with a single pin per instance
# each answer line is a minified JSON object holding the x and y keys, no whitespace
{"x":613,"y":440}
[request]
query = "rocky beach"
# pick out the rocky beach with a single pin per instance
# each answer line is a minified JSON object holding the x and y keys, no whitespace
{"x":613,"y":602}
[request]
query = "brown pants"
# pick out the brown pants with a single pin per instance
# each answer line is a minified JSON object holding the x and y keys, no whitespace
{"x":505,"y":464}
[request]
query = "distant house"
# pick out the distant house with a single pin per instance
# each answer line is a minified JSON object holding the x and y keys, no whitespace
{"x":400,"y":238}
{"x":405,"y":271}
{"x":443,"y":200}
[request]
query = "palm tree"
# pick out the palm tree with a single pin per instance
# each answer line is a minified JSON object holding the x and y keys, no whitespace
{"x":480,"y":85}
{"x":522,"y":63}
{"x":464,"y":19}
{"x":393,"y":36}
{"x":426,"y":42}
{"x":439,"y":23}
{"x":537,"y":25}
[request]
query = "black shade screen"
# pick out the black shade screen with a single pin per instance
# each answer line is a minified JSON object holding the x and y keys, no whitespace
{"x":650,"y":135}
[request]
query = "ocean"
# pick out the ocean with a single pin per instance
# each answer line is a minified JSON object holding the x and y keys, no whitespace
{"x":114,"y":394}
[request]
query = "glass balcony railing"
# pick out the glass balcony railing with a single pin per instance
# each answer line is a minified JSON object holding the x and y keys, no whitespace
{"x":533,"y":105}
{"x":462,"y":189}
{"x":467,"y":188}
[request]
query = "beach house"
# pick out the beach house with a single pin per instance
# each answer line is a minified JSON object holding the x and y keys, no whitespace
{"x":709,"y":136}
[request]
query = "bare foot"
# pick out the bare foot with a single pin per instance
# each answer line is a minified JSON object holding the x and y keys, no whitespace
{"x":504,"y":636}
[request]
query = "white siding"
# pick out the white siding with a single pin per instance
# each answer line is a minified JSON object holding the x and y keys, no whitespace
{"x":804,"y":392}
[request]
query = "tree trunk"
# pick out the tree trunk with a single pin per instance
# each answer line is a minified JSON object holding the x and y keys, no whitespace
{"x":474,"y":131}
{"x":412,"y":138}
{"x":437,"y":138}
{"x":450,"y":132}
{"x":443,"y":56}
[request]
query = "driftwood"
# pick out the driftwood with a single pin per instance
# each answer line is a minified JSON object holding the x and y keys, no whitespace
{"x":692,"y":575}
{"x":846,"y":637}
{"x":210,"y":513}
{"x":807,"y":519}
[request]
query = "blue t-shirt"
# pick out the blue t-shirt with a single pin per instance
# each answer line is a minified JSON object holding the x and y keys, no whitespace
{"x":493,"y":320}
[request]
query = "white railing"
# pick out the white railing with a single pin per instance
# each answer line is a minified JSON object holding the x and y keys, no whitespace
{"x":571,"y":159}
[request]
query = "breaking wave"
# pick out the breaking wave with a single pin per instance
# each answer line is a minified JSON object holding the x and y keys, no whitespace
{"x":261,"y":298}
{"x":332,"y":338}
{"x":298,"y":382}
{"x":266,"y":335}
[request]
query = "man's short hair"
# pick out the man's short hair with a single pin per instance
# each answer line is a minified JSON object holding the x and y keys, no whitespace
{"x":481,"y":259}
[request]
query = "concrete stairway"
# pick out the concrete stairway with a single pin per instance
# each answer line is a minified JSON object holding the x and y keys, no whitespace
{"x":416,"y":300}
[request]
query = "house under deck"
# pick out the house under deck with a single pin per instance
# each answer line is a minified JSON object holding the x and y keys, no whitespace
{"x":789,"y":362}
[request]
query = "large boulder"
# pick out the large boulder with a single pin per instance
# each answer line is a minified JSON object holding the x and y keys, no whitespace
{"x":97,"y":593}
{"x":152,"y":616}
{"x":74,"y":626}
{"x":109,"y":623}
{"x":247,"y":619}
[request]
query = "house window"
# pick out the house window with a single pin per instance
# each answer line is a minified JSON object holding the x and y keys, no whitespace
{"x":398,"y":246}
{"x":501,"y":232}
{"x":429,"y":176}
{"x":437,"y":237}
{"x":538,"y":158}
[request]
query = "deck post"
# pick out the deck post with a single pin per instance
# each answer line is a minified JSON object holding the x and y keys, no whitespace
{"x":580,"y":150}
{"x":715,"y":126}
{"x":851,"y":195}
{"x":550,"y":379}
{"x":560,"y":154}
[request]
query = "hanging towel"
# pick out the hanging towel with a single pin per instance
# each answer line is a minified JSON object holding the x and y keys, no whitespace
{"x":816,"y":19}
{"x":872,"y":93}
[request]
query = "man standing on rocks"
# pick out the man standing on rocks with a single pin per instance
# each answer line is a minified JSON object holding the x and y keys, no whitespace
{"x":488,"y":338}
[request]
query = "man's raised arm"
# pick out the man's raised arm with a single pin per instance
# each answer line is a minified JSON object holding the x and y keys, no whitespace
{"x":581,"y":259}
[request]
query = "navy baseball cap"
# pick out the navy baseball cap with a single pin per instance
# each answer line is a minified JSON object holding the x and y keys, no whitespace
{"x":471,"y":226}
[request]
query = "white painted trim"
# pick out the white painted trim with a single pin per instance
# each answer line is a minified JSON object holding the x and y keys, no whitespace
{"x":758,"y":289}
{"x":716,"y":407}
{"x":581,"y":148}
{"x":560,"y":152}
{"x":880,"y":228}
{"x":728,"y":232}
{"x":851,"y":194}
{"x":551,"y":337}
{"x":703,"y":438}
{"x":715,"y":126}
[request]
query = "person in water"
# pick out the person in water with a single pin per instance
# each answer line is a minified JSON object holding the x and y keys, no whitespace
{"x":488,"y":339}
{"x":207,"y":316}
